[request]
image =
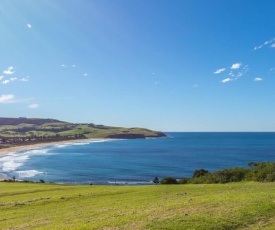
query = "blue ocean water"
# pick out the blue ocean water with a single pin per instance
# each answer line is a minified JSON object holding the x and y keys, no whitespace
{"x":139,"y":160}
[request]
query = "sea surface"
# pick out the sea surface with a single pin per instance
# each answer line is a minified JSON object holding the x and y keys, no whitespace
{"x":138,"y":161}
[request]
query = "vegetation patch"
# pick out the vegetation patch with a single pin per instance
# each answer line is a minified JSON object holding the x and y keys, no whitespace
{"x":258,"y":171}
{"x":245,"y":205}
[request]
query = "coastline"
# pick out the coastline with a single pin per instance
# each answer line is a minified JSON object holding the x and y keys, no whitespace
{"x":38,"y":145}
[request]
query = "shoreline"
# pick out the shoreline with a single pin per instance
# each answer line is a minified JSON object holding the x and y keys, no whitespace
{"x":40,"y":145}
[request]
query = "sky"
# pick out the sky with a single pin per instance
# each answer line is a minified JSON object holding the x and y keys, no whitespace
{"x":179,"y":65}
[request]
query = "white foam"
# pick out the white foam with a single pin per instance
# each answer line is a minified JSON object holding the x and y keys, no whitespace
{"x":28,"y":173}
{"x":62,"y":146}
{"x":81,"y":143}
{"x":11,"y":162}
{"x":37,"y":151}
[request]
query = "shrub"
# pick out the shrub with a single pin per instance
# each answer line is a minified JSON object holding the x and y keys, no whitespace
{"x":200,"y":172}
{"x":262,"y":172}
{"x":169,"y":180}
{"x":183,"y":180}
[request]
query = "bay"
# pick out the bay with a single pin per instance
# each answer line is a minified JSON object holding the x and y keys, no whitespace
{"x":138,"y":161}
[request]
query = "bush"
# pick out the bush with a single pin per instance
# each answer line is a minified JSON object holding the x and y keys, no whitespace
{"x":183,"y":180}
{"x":200,"y":172}
{"x":169,"y":180}
{"x":262,"y":172}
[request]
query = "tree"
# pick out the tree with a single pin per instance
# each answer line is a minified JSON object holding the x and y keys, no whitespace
{"x":183,"y":180}
{"x":200,"y":172}
{"x":169,"y":180}
{"x":156,"y":180}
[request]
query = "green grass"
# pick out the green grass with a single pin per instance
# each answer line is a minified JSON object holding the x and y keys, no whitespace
{"x":51,"y":129}
{"x":248,"y":205}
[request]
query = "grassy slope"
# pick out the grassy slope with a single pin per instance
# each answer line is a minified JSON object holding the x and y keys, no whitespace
{"x":87,"y":130}
{"x":219,"y":206}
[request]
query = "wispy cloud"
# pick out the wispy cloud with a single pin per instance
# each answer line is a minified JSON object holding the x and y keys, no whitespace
{"x":258,"y":79}
{"x":273,"y":45}
{"x":73,"y":66}
{"x":5,"y":82}
{"x":235,"y":72}
{"x":226,"y":80}
{"x":6,"y":98}
{"x":85,"y":74}
{"x":1,"y":77}
{"x":9,"y":70}
{"x":29,"y":26}
{"x":63,"y":66}
{"x":195,"y":86}
{"x":239,"y":73}
{"x":236,"y":66}
{"x":219,"y":71}
{"x":265,"y":44}
{"x":25,"y":78}
{"x":33,"y":106}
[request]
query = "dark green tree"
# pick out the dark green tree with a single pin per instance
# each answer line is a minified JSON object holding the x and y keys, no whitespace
{"x":156,"y":180}
{"x":200,"y":172}
{"x":169,"y":180}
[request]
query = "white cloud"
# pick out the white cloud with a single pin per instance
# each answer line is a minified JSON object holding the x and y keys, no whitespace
{"x":5,"y":82}
{"x":226,"y":80}
{"x":231,"y":74}
{"x":9,"y":80}
{"x":9,"y":70}
{"x":6,"y":98}
{"x":273,"y":45}
{"x":29,"y":26}
{"x":33,"y":106}
{"x":25,"y":78}
{"x":73,"y":66}
{"x":85,"y":74}
{"x":219,"y":71}
{"x":258,"y":79}
{"x":236,"y":66}
{"x":63,"y":66}
{"x":265,"y":43}
{"x":1,"y":77}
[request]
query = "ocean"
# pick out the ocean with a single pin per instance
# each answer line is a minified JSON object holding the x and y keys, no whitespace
{"x":138,"y":161}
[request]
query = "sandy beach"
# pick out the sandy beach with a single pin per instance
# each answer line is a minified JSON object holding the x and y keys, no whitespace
{"x":31,"y":146}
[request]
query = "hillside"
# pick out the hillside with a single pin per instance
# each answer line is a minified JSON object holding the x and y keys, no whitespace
{"x":247,"y":205}
{"x":24,"y":130}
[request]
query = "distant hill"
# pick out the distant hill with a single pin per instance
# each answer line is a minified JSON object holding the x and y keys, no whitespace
{"x":24,"y":120}
{"x":42,"y":129}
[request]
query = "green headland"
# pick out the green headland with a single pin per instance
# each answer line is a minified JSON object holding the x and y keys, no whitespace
{"x":22,"y":131}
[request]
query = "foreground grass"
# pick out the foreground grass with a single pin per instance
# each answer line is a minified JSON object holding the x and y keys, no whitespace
{"x":247,"y":205}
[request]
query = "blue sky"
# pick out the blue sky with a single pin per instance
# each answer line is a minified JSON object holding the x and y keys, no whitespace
{"x":180,"y":65}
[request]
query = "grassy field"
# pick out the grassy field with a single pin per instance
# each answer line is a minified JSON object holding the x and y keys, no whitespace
{"x":248,"y":205}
